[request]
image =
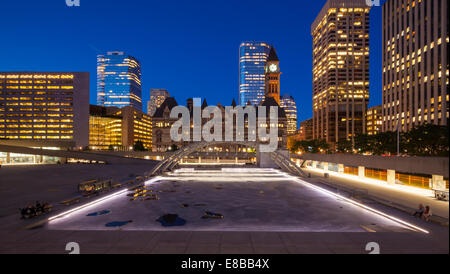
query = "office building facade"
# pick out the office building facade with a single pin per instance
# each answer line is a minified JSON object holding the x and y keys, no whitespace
{"x":44,"y":109}
{"x":287,"y":102}
{"x":112,"y":128}
{"x":157,"y":97}
{"x":118,"y":80}
{"x":374,"y":120}
{"x":305,"y":132}
{"x":415,"y":64}
{"x":340,"y":70}
{"x":252,"y":78}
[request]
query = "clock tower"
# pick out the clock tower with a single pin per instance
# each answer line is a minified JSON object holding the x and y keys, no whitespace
{"x":272,"y":73}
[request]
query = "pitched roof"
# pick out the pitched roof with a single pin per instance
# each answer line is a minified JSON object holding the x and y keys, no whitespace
{"x":272,"y":55}
{"x":170,"y":103}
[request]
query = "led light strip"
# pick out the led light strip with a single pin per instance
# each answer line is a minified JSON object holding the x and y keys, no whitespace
{"x":96,"y":202}
{"x":392,"y":218}
{"x":379,"y":183}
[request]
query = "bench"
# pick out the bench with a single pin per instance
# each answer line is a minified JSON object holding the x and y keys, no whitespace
{"x":70,"y":202}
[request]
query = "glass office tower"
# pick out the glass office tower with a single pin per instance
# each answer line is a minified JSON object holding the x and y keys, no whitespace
{"x":252,"y":59}
{"x":118,"y":80}
{"x":287,"y":102}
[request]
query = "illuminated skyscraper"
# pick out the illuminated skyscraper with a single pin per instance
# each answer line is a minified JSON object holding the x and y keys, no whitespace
{"x":415,"y":63}
{"x":252,"y":60}
{"x":118,"y":80}
{"x":157,"y":97}
{"x":340,"y":70}
{"x":287,"y":102}
{"x":374,"y":120}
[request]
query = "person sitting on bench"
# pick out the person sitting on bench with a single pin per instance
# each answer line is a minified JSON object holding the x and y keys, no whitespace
{"x":419,"y":212}
{"x":427,"y":214}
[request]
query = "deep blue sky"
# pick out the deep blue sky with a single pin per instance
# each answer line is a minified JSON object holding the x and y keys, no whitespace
{"x":190,"y":47}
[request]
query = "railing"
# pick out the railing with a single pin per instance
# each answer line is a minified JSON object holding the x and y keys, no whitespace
{"x":376,"y":174}
{"x":413,"y":180}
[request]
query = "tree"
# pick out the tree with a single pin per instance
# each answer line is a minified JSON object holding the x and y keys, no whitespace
{"x":427,"y":140}
{"x":139,"y":146}
{"x":344,"y":146}
{"x":313,"y":146}
{"x":423,"y":140}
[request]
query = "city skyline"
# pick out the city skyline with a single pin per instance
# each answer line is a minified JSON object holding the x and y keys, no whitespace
{"x":162,"y":48}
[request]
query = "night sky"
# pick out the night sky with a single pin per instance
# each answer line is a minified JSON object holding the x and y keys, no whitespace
{"x":190,"y":47}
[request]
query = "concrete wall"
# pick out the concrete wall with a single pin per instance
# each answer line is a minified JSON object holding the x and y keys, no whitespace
{"x":81,"y":108}
{"x":414,"y":165}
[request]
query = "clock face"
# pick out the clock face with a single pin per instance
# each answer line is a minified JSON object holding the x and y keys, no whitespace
{"x":273,"y":68}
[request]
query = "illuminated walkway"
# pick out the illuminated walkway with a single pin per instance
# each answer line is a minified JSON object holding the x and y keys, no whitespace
{"x":406,"y":196}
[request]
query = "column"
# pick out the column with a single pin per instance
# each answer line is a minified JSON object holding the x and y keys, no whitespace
{"x":361,"y":172}
{"x":314,"y":164}
{"x":340,"y":168}
{"x":8,"y":158}
{"x":218,"y":159}
{"x":325,"y":167}
{"x":391,"y":177}
{"x":236,"y":161}
{"x":199,"y":159}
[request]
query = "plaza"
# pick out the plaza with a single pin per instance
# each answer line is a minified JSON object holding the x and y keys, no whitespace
{"x":265,"y":211}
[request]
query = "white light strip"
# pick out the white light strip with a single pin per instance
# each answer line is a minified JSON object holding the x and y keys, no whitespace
{"x":379,"y":183}
{"x":392,"y":218}
{"x":96,"y":202}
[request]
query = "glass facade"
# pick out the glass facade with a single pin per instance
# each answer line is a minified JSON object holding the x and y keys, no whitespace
{"x":118,"y":129}
{"x":105,"y":132}
{"x":118,"y":80}
{"x":252,"y":59}
{"x":287,"y":102}
{"x":7,"y":158}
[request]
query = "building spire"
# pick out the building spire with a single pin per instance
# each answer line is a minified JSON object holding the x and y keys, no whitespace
{"x":272,"y":55}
